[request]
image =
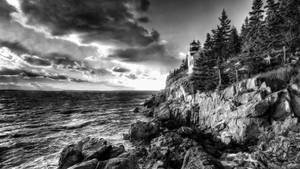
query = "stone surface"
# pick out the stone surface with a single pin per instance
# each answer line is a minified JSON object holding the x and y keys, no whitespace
{"x":70,"y":156}
{"x":124,"y":161}
{"x":101,"y":154}
{"x":143,"y":131}
{"x":92,"y":164}
{"x":197,"y":158}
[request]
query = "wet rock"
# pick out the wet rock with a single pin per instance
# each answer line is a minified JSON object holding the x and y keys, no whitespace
{"x":92,"y":164}
{"x":163,"y":114}
{"x":283,"y":107}
{"x":196,"y":158}
{"x":70,"y":156}
{"x":124,"y":161}
{"x":169,"y":148}
{"x":294,"y":91}
{"x":116,"y":151}
{"x":101,"y":154}
{"x":143,"y":131}
{"x":185,"y":131}
{"x":91,"y":145}
{"x":136,"y":110}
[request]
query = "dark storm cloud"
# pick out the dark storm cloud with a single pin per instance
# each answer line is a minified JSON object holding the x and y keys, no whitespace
{"x":131,"y":76}
{"x":37,"y":61}
{"x":155,"y":53}
{"x":18,"y":72}
{"x":101,"y":72}
{"x":5,"y":9}
{"x":120,"y":70}
{"x":66,"y":61}
{"x":15,"y":46}
{"x":144,"y":4}
{"x":97,"y":20}
{"x":143,"y":19}
{"x":13,"y":73}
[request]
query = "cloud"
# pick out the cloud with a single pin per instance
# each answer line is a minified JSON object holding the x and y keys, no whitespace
{"x":36,"y":61}
{"x":132,"y":76}
{"x":101,"y":72}
{"x":105,"y":21}
{"x":14,"y":46}
{"x":5,"y":9}
{"x":155,"y":54}
{"x":120,"y":69}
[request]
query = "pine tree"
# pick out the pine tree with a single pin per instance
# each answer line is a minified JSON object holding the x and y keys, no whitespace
{"x":255,"y":36}
{"x":256,"y":15}
{"x":234,"y":43}
{"x":225,"y":25}
{"x":208,"y":44}
{"x":221,"y":37}
{"x":290,"y":13}
{"x":245,"y":30}
{"x":273,"y":25}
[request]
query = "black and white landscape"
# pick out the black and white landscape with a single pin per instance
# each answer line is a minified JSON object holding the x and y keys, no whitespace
{"x":149,"y":84}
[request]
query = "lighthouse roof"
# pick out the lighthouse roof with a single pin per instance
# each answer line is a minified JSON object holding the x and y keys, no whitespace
{"x":194,"y":43}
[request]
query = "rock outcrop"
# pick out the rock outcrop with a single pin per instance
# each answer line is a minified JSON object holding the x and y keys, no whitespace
{"x":251,"y":124}
{"x":92,"y":153}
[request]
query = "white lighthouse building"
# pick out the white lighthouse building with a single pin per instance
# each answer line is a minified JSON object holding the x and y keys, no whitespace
{"x":195,"y":50}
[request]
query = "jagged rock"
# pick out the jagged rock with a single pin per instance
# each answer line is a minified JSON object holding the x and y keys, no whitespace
{"x":91,"y":145}
{"x":295,"y":99}
{"x":124,"y":161}
{"x":143,"y":131}
{"x":136,"y":110}
{"x":101,"y":154}
{"x":283,"y":107}
{"x":92,"y":164}
{"x":197,"y":158}
{"x":185,"y":131}
{"x":116,"y":151}
{"x":169,"y":148}
{"x":163,"y":113}
{"x":70,"y":156}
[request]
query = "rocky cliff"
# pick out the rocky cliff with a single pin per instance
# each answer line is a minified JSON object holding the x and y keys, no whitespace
{"x":253,"y":123}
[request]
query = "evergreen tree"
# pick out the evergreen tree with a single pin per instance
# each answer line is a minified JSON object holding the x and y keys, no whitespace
{"x":208,"y":44}
{"x":234,"y":44}
{"x":290,"y":13}
{"x":273,"y":25}
{"x":245,"y":30}
{"x":255,"y":36}
{"x":221,"y":37}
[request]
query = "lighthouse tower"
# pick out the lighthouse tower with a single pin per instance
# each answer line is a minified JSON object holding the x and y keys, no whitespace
{"x":195,"y":48}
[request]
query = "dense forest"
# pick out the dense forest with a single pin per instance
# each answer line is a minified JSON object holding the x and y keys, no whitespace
{"x":269,"y":39}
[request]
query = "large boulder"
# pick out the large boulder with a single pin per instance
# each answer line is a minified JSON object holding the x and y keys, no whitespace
{"x":91,"y":145}
{"x":101,"y":154}
{"x":197,"y":158}
{"x":163,"y":113}
{"x":124,"y":161}
{"x":294,"y":91}
{"x":70,"y":156}
{"x":143,"y":131}
{"x":91,"y":164}
{"x":169,"y":148}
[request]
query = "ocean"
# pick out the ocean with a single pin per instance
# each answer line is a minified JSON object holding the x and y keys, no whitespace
{"x":36,"y":125}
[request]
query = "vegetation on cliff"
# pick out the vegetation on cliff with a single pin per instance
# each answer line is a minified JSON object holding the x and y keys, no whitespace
{"x":269,"y":38}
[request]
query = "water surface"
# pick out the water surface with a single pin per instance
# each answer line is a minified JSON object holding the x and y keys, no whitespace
{"x":35,"y":125}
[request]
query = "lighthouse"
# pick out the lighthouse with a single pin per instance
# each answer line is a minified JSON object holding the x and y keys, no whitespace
{"x":195,"y":48}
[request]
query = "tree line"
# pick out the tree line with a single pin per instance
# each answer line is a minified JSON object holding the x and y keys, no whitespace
{"x":269,"y":37}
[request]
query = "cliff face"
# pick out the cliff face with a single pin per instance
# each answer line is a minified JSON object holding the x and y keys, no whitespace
{"x":238,"y":114}
{"x":251,"y":124}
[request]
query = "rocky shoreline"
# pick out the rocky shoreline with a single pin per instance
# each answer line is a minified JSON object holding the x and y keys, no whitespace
{"x":251,"y":124}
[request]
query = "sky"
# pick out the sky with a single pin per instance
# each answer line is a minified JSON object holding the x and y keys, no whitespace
{"x":102,"y":44}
